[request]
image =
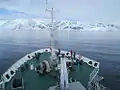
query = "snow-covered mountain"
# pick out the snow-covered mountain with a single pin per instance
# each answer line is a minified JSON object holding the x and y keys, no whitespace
{"x":38,"y":24}
{"x":89,"y":27}
{"x":23,"y":24}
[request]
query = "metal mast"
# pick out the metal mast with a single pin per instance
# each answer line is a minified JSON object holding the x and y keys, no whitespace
{"x":53,"y":56}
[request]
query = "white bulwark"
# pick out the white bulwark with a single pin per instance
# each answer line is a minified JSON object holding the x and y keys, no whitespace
{"x":7,"y":76}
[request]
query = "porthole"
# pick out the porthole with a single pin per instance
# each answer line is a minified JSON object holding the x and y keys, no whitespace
{"x":39,"y":53}
{"x":7,"y":76}
{"x":46,"y":50}
{"x":35,"y":54}
{"x":12,"y":72}
{"x":28,"y":56}
{"x":67,"y":53}
{"x":90,"y":62}
{"x":95,"y":64}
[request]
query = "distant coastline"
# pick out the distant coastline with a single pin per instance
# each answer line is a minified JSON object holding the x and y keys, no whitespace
{"x":34,"y":24}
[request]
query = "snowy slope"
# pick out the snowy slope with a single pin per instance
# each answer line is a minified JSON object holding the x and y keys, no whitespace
{"x":23,"y":24}
{"x":2,"y":22}
{"x":38,"y":24}
{"x":89,"y":27}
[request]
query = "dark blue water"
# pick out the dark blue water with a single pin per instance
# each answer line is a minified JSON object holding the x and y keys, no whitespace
{"x":101,"y":46}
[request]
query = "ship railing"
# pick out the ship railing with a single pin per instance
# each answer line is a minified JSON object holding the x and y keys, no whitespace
{"x":103,"y":87}
{"x":93,"y":75}
{"x":2,"y":85}
{"x":17,"y":64}
{"x":88,"y":60}
{"x":14,"y":68}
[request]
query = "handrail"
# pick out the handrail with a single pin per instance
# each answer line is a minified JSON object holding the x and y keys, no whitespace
{"x":93,"y":74}
{"x":2,"y":85}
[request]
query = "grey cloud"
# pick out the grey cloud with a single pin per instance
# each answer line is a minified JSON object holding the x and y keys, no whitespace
{"x":4,"y":0}
{"x":86,"y":10}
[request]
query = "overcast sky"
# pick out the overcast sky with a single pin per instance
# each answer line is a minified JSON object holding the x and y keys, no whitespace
{"x":83,"y":10}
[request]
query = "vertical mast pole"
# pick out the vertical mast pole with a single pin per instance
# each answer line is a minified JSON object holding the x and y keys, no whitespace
{"x":53,"y":56}
{"x":52,"y":34}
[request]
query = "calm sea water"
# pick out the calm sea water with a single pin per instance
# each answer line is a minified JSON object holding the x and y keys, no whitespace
{"x":101,"y":46}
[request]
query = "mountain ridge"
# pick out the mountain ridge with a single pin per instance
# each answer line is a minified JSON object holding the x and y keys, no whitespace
{"x":38,"y":24}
